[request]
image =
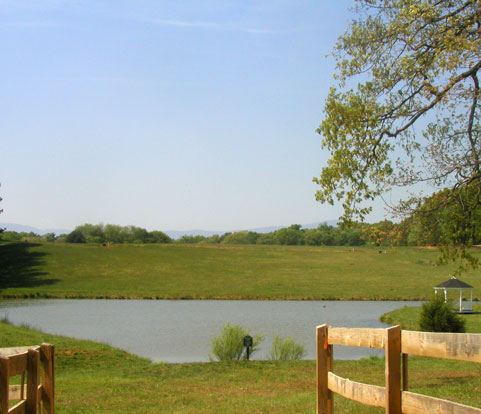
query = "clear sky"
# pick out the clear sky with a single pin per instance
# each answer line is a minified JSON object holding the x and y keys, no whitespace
{"x":165,"y":114}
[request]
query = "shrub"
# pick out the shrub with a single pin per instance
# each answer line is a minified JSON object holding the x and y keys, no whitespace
{"x":284,"y":349}
{"x":438,"y":316}
{"x":229,"y":345}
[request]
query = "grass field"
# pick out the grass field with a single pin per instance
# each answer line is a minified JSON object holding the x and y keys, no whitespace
{"x":96,"y":378}
{"x":408,"y":318}
{"x":219,"y":272}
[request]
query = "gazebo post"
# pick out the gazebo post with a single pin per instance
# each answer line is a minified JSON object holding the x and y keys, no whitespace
{"x":445,"y":295}
{"x":460,"y":300}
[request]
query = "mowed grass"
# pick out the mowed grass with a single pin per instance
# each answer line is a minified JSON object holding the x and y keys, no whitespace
{"x":96,"y":378}
{"x":408,"y":317}
{"x":220,"y":272}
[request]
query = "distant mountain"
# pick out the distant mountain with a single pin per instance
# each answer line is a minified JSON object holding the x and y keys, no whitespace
{"x":27,"y":229}
{"x":177,"y":234}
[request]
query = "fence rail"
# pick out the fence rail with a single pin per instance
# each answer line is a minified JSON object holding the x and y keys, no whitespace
{"x":33,"y":394}
{"x":394,"y":396}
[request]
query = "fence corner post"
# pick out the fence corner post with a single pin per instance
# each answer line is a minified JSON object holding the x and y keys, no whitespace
{"x":4,"y":384}
{"x":393,"y":370}
{"x":48,"y":377}
{"x":323,"y":365}
{"x":33,"y":359}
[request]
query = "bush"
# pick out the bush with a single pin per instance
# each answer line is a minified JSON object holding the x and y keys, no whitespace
{"x":229,"y":345}
{"x":284,"y":349}
{"x":438,"y":316}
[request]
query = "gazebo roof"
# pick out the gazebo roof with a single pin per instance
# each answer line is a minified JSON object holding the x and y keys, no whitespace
{"x":453,"y":283}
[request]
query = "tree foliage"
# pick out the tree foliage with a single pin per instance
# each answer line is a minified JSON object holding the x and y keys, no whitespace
{"x":413,"y":117}
{"x":75,"y":236}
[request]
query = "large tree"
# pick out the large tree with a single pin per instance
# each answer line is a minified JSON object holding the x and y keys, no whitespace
{"x":1,"y":211}
{"x":405,"y":109}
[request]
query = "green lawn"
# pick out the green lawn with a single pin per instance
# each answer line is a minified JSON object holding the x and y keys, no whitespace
{"x":408,"y":318}
{"x":96,"y":378}
{"x":219,"y":272}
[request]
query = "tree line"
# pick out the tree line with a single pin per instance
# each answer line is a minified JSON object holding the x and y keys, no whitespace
{"x":435,"y":222}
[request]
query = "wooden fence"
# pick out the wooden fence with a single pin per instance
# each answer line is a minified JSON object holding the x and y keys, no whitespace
{"x":394,"y":396}
{"x":33,"y":395}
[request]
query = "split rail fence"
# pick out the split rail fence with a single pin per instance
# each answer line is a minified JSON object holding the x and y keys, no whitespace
{"x":394,"y":397}
{"x":32,"y":395}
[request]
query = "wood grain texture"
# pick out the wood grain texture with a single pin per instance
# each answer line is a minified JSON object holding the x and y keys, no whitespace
{"x":363,"y":337}
{"x":465,"y":347}
{"x":422,"y":404}
{"x":47,"y":356}
{"x":322,"y":368}
{"x":366,"y":394}
{"x":393,"y":370}
{"x":33,"y":360}
{"x":18,"y":408}
{"x":4,"y":384}
{"x":17,"y":363}
{"x":16,"y":350}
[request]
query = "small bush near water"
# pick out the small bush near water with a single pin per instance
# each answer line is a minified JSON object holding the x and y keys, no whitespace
{"x":438,"y":316}
{"x":229,"y":345}
{"x":284,"y":349}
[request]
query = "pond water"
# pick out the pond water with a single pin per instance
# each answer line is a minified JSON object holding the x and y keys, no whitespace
{"x":181,"y":331}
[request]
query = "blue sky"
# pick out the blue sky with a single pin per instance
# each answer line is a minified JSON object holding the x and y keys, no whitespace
{"x":165,"y":114}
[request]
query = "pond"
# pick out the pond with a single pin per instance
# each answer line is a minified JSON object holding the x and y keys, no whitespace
{"x":181,"y":331}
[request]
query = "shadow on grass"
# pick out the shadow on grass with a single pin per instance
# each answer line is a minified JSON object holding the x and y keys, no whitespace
{"x":19,"y":266}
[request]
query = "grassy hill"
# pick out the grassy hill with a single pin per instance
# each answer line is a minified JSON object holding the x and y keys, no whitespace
{"x":219,"y":272}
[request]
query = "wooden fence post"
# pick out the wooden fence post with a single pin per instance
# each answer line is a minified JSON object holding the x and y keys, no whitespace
{"x":393,"y":370}
{"x":33,"y":359}
{"x":4,"y":382}
{"x":323,"y":364}
{"x":48,"y":378}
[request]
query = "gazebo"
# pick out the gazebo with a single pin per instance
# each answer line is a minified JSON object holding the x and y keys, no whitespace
{"x":456,"y":284}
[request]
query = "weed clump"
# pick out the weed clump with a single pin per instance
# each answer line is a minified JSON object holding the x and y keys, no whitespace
{"x":285,"y":349}
{"x":229,"y":345}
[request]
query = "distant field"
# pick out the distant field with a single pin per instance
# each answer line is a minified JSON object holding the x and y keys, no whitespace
{"x":220,"y":272}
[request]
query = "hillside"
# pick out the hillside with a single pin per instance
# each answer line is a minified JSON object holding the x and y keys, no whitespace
{"x":219,"y":272}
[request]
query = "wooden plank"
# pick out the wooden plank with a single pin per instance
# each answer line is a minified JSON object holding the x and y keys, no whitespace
{"x":15,"y":392}
{"x":47,"y":355}
{"x":322,"y":368}
{"x":18,"y":408}
{"x":17,"y":363}
{"x":393,"y":370}
{"x":33,"y":361}
{"x":48,"y":404}
{"x":4,"y":386}
{"x":422,"y":404}
{"x":363,"y":393}
{"x":363,"y":337}
{"x":16,"y":350}
{"x":465,"y":347}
